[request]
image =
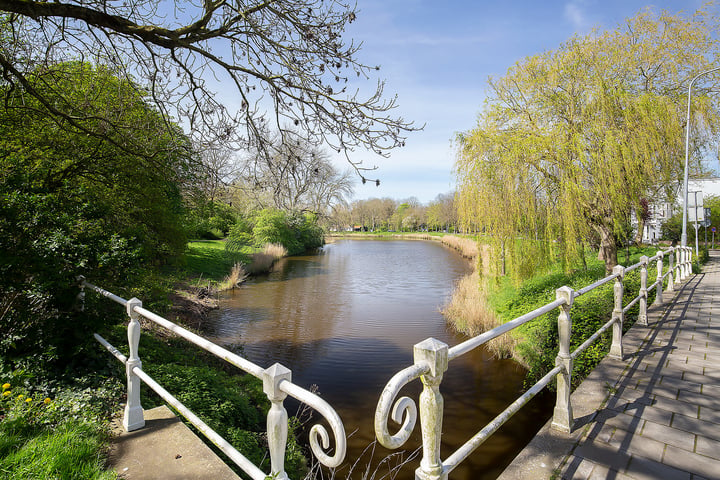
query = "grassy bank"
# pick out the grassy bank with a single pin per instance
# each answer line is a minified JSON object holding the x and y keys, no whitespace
{"x":480,"y":304}
{"x":54,"y":423}
{"x":207,"y":260}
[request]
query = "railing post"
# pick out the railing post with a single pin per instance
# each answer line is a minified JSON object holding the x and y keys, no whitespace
{"x":563,"y":416}
{"x":433,"y":353}
{"x":277,"y":418}
{"x":680,"y":265}
{"x":670,"y":285}
{"x":133,"y":418}
{"x":616,"y":349}
{"x":659,"y":279}
{"x":686,"y":263}
{"x":642,"y":315}
{"x":689,"y":261}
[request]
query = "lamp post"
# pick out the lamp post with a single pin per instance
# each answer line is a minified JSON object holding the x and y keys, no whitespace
{"x":683,"y":238}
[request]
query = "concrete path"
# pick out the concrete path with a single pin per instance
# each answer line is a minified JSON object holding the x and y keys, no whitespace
{"x":656,"y":413}
{"x":165,"y":449}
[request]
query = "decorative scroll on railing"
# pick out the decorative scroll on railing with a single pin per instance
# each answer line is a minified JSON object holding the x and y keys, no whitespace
{"x":276,"y":384}
{"x":431,"y":359}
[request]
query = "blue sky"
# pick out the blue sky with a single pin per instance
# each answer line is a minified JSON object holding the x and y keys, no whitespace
{"x":437,"y":57}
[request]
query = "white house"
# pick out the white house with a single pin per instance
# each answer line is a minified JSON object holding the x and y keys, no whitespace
{"x":662,"y":210}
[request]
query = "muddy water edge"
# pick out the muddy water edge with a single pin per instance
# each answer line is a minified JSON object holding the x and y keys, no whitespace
{"x":345,"y":320}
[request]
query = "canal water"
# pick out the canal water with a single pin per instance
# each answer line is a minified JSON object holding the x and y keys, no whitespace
{"x":345,"y":320}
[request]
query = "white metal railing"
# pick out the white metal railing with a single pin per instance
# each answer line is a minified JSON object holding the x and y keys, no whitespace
{"x":431,"y":359}
{"x":276,"y":384}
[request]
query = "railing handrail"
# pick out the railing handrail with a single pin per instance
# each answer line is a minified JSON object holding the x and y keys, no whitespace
{"x":474,"y":342}
{"x":432,"y":359}
{"x":276,"y":384}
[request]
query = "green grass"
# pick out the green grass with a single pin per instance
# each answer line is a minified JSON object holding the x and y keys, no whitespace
{"x":63,"y":437}
{"x":68,"y":451}
{"x":538,"y":342}
{"x":207,"y":259}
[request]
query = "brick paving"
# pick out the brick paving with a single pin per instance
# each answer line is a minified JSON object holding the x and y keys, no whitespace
{"x":661,"y":418}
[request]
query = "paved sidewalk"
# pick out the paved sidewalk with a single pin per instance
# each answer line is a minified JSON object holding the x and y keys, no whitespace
{"x":165,"y":449}
{"x":656,"y":413}
{"x":662,"y":419}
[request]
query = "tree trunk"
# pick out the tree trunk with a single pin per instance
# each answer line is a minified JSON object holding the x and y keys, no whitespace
{"x":608,"y":247}
{"x":640,"y":230}
{"x":582,"y":256}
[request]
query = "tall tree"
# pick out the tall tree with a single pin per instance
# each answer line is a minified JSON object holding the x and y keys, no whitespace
{"x":72,"y":204}
{"x":286,"y":60}
{"x":570,"y":141}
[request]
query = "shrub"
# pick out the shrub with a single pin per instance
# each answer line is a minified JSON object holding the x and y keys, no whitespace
{"x":239,"y":237}
{"x":538,"y":340}
{"x":294,"y":231}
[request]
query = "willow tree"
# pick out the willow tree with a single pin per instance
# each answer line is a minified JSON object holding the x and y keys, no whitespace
{"x":571,"y":141}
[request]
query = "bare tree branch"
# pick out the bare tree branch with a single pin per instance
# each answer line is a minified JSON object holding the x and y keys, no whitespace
{"x":286,"y":60}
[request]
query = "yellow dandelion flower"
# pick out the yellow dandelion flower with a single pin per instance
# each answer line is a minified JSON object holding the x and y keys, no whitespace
{"x":28,"y":400}
{"x":6,"y":386}
{"x":47,"y":401}
{"x":7,"y":393}
{"x":21,"y":396}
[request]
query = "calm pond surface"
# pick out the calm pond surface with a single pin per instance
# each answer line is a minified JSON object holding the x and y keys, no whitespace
{"x":346,"y":320}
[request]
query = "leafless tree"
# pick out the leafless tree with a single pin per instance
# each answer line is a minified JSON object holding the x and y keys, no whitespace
{"x":286,"y":60}
{"x":295,"y":177}
{"x":220,"y":168}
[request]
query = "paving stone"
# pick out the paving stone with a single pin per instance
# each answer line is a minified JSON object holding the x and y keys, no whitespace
{"x":711,"y":390}
{"x":669,"y":435}
{"x":691,"y":462}
{"x":682,"y":384}
{"x":669,"y":390}
{"x":578,"y":469}
{"x":697,"y":399}
{"x":604,"y":473}
{"x":709,"y":447}
{"x":676,"y":406}
{"x":652,"y":414}
{"x":709,"y":415}
{"x":606,"y":433}
{"x":637,"y":445}
{"x":603,"y":454}
{"x":696,"y":426}
{"x":701,"y":378}
{"x":620,"y":420}
{"x":643,"y":469}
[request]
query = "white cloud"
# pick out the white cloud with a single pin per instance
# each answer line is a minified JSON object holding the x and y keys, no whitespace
{"x":575,"y":15}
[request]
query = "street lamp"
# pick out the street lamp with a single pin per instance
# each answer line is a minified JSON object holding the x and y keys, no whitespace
{"x":683,"y":239}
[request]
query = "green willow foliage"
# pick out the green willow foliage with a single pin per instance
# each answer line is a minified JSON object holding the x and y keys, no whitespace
{"x":72,"y":203}
{"x":571,"y":141}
